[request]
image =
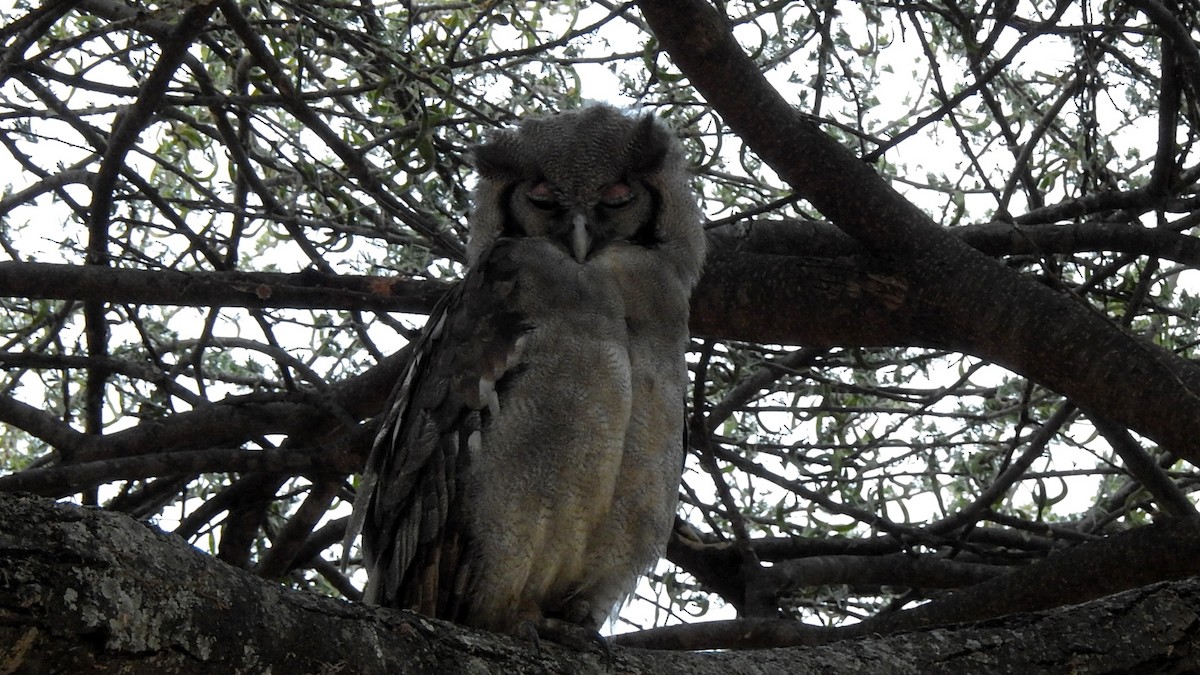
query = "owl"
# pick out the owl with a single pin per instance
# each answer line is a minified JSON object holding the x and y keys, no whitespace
{"x":527,"y":467}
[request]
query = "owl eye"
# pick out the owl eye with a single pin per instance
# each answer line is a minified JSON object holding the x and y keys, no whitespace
{"x":542,"y":196}
{"x":617,"y":194}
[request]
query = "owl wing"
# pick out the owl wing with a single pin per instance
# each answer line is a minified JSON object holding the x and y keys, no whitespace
{"x":415,"y":545}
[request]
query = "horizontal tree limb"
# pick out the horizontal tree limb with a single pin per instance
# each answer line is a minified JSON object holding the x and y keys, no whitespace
{"x":821,"y":286}
{"x":83,"y":590}
{"x":1167,"y":550}
{"x":303,"y":290}
{"x":346,"y":457}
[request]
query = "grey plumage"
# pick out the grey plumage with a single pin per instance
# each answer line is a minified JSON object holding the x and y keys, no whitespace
{"x":527,"y":466}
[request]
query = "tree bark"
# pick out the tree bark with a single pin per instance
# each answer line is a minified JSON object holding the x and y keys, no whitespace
{"x":83,"y":590}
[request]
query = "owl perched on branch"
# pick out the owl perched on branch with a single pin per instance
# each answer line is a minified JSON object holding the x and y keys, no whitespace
{"x":528,"y":464}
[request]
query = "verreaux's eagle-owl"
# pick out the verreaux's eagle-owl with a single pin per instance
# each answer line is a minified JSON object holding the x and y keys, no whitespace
{"x":528,"y":463}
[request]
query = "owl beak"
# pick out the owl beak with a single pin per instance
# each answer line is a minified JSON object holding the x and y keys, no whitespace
{"x":581,"y":239}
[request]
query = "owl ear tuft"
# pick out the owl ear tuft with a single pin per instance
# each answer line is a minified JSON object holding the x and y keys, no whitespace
{"x":649,"y":145}
{"x":497,"y":157}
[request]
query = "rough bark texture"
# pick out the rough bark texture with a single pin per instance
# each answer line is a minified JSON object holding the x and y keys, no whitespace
{"x":83,"y":590}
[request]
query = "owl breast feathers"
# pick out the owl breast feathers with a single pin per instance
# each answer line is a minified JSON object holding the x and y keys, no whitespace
{"x":528,"y":463}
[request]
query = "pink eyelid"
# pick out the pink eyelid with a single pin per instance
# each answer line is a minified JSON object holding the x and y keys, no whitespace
{"x":541,"y":192}
{"x":616,"y":194}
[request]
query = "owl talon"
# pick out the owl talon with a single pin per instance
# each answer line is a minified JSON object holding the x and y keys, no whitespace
{"x":530,"y":629}
{"x":569,"y":635}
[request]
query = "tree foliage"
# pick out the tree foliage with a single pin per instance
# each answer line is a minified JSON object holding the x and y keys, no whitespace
{"x":946,"y":333}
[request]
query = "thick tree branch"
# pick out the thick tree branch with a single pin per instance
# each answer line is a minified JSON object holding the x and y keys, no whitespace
{"x":824,"y":287}
{"x":952,"y":290}
{"x":84,"y":590}
{"x":1167,"y":550}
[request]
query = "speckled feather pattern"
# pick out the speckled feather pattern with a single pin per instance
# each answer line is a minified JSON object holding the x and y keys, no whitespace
{"x":528,"y":464}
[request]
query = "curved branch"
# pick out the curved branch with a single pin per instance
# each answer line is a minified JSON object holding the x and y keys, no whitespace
{"x":951,"y":289}
{"x":60,"y":481}
{"x":40,"y":424}
{"x":1177,"y":34}
{"x":1167,"y":550}
{"x":230,"y":422}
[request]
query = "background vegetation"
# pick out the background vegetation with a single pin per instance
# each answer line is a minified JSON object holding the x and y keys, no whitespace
{"x":222,"y":221}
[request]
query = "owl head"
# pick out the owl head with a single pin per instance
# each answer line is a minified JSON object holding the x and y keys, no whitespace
{"x":586,"y":179}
